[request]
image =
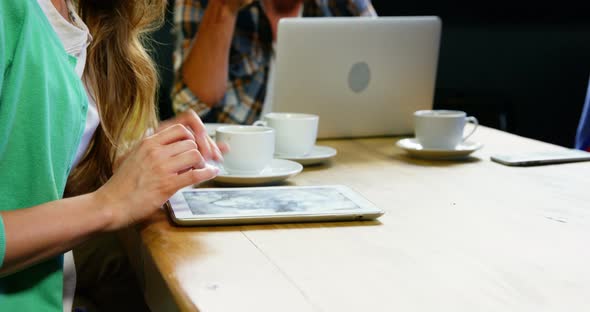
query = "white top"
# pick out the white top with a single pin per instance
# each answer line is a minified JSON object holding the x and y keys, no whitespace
{"x":75,"y":39}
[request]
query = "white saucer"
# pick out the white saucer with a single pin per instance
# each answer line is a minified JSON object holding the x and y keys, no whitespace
{"x":277,"y":171}
{"x":317,"y":155}
{"x":413,"y":147}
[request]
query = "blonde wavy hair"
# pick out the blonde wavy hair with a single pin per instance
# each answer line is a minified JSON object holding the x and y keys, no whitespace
{"x":124,"y":82}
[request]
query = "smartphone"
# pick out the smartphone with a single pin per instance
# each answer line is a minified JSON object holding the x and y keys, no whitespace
{"x":542,"y":158}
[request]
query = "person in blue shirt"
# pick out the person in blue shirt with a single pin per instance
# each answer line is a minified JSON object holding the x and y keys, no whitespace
{"x":583,"y":135}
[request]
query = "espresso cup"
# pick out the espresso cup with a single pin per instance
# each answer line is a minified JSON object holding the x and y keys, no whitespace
{"x":251,"y":148}
{"x":442,"y":129}
{"x":295,"y":134}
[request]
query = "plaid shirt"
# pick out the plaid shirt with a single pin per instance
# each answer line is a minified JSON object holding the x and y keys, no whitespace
{"x":249,"y":58}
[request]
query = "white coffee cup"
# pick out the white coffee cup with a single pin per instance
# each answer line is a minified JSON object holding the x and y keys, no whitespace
{"x":295,"y":133}
{"x":442,"y":129}
{"x":251,"y":148}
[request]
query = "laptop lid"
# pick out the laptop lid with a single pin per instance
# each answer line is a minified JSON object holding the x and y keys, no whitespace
{"x":364,"y":76}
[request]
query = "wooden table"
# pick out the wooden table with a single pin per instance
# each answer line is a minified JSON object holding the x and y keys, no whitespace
{"x":457,"y":236}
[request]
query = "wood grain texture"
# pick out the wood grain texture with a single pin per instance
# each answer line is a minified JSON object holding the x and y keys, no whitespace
{"x":467,"y":235}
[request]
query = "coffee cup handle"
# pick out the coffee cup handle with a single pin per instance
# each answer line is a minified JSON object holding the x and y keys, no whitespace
{"x":260,"y":123}
{"x":475,"y":123}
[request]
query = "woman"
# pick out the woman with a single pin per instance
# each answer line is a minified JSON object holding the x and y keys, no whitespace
{"x":75,"y":159}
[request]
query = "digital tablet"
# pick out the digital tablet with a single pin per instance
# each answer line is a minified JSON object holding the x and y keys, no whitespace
{"x":542,"y":158}
{"x":274,"y":204}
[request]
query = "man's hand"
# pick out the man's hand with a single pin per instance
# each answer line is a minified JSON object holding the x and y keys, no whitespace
{"x":234,"y":5}
{"x":277,"y":9}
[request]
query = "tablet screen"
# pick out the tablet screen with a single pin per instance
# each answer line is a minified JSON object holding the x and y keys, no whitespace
{"x":266,"y":201}
{"x":270,"y":204}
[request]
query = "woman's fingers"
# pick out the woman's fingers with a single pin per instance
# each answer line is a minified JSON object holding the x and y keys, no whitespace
{"x":178,"y":133}
{"x":193,"y":123}
{"x":189,"y":159}
{"x":195,"y":176}
{"x":192,"y":120}
{"x":204,"y":146}
{"x":172,"y":134}
{"x":223,"y":147}
{"x":215,"y":149}
{"x":179,"y":148}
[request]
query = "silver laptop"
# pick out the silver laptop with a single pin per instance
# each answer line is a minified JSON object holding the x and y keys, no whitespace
{"x":362,"y":76}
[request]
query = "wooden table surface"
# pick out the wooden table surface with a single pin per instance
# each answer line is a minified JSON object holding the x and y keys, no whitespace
{"x":456,"y":236}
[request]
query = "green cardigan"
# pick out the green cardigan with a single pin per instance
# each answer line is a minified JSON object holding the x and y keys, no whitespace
{"x":42,"y":116}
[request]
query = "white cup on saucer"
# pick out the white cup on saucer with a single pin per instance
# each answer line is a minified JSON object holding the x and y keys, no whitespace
{"x":251,"y":148}
{"x":442,"y":129}
{"x":295,"y":133}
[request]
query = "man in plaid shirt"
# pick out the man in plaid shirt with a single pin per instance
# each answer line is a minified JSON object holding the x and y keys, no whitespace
{"x":224,"y":52}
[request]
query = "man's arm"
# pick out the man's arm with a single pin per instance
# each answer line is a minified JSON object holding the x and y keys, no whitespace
{"x":205,"y":68}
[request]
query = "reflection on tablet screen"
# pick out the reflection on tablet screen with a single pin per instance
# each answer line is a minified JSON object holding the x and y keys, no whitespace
{"x":267,"y":201}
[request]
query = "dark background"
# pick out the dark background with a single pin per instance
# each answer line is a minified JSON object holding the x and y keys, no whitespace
{"x":521,"y":67}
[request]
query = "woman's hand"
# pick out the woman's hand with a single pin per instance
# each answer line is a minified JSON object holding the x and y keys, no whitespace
{"x":152,"y":172}
{"x":208,"y":149}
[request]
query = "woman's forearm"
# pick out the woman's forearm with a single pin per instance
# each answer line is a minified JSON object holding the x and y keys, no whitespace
{"x":150,"y":174}
{"x":40,"y":232}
